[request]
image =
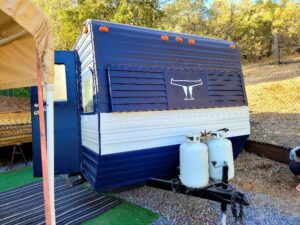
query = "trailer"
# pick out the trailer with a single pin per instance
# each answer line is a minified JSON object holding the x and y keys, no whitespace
{"x":125,"y":97}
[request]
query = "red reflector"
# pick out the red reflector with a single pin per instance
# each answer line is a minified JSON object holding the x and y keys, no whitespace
{"x":232,"y":46}
{"x":103,"y":29}
{"x":179,"y":39}
{"x":165,"y":38}
{"x":85,"y":29}
{"x":191,"y":41}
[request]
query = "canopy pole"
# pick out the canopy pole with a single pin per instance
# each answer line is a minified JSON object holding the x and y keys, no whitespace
{"x":50,"y":148}
{"x":43,"y":144}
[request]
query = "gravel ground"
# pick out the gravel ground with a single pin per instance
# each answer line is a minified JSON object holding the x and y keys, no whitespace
{"x":282,"y":129}
{"x":183,"y":209}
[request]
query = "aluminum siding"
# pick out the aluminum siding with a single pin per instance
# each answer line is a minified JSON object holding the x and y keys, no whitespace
{"x":89,"y":122}
{"x":128,"y":168}
{"x":141,"y":49}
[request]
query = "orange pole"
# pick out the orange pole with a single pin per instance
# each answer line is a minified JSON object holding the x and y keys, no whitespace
{"x":43,"y":144}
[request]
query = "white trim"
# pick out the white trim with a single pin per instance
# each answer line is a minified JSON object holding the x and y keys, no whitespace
{"x":121,"y":132}
{"x":89,"y":132}
{"x":50,"y":148}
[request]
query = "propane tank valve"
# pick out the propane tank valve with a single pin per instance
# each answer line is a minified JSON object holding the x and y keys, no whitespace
{"x":214,"y":163}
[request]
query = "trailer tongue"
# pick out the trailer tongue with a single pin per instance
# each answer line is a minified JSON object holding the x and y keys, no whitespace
{"x":220,"y":191}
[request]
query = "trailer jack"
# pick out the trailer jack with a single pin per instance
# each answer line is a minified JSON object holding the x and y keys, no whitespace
{"x":216,"y":191}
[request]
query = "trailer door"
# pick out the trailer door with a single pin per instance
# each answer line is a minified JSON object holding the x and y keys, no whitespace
{"x":66,"y":125}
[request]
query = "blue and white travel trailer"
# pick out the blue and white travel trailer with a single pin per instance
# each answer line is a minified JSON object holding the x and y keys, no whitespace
{"x":127,"y":96}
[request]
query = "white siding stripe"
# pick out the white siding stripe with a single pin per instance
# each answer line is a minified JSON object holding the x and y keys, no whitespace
{"x":89,"y":132}
{"x":121,"y":132}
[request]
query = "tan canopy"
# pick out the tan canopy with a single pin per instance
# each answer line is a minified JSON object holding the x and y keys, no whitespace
{"x":24,"y":33}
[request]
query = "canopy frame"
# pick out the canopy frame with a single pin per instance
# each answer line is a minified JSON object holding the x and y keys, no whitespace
{"x":27,"y":59}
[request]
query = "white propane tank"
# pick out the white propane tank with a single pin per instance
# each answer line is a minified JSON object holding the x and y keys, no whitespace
{"x":194,"y":162}
{"x":220,"y":151}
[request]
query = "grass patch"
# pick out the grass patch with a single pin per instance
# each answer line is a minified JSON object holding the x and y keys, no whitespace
{"x":125,"y":213}
{"x":17,"y":178}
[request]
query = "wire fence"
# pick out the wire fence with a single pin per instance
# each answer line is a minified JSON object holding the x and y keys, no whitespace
{"x":273,"y":93}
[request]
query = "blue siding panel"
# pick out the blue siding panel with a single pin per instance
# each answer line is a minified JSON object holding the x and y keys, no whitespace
{"x":135,"y":60}
{"x":139,"y":74}
{"x":130,"y":87}
{"x":135,"y":166}
{"x":238,"y":144}
{"x":136,"y":80}
{"x":89,"y":165}
{"x":138,"y":100}
{"x":128,"y":44}
{"x":135,"y":91}
{"x":138,"y":94}
{"x":224,"y":88}
{"x":132,"y":167}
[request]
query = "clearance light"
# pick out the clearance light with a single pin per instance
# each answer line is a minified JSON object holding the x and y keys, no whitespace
{"x":85,"y":29}
{"x":232,"y":46}
{"x":191,"y":41}
{"x":165,"y":38}
{"x":179,"y":39}
{"x":103,"y":29}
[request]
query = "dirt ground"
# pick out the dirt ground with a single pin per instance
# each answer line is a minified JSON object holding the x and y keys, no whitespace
{"x":273,"y":93}
{"x":261,"y":175}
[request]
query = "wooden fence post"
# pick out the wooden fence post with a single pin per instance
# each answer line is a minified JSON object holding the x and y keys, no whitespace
{"x":276,"y":48}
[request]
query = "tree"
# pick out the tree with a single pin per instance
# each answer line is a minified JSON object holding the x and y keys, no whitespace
{"x":138,"y":12}
{"x":253,"y":29}
{"x":71,"y":19}
{"x":251,"y":24}
{"x":51,"y":8}
{"x":67,"y":19}
{"x":221,"y":22}
{"x":186,"y":16}
{"x":287,"y":24}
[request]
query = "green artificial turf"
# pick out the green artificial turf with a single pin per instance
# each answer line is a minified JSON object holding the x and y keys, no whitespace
{"x":16,"y":178}
{"x":123,"y":214}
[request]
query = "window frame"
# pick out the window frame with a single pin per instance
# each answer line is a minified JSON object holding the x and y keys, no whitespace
{"x":59,"y":101}
{"x":82,"y":95}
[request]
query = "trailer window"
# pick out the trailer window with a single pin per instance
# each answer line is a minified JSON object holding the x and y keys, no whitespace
{"x":60,"y":85}
{"x":87,"y":95}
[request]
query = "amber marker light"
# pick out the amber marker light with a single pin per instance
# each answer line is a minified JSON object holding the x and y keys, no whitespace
{"x":85,"y":29}
{"x":191,"y":41}
{"x":103,"y":29}
{"x":165,"y":38}
{"x":179,"y":39}
{"x":232,"y":46}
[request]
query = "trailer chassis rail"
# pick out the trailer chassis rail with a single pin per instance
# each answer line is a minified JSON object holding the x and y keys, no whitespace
{"x":220,"y":192}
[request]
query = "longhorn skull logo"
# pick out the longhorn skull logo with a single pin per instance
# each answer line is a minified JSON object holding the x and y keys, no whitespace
{"x":187,"y":86}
